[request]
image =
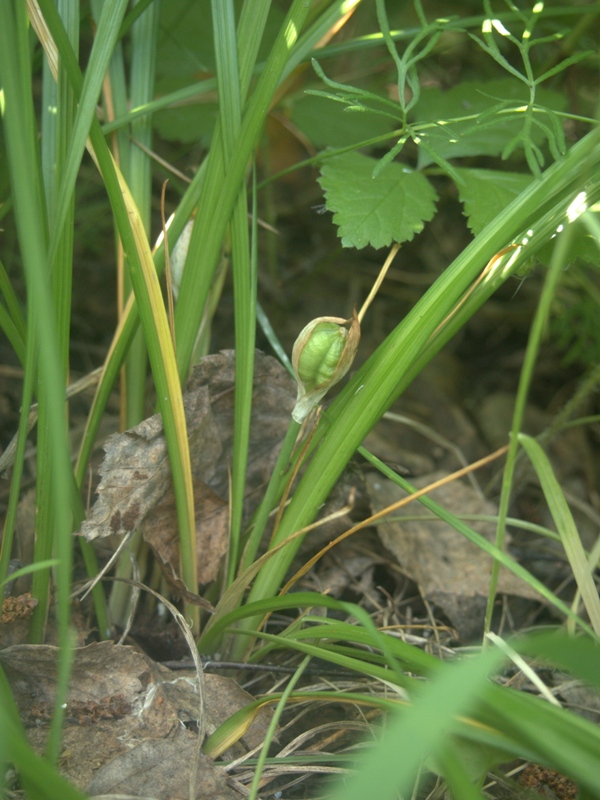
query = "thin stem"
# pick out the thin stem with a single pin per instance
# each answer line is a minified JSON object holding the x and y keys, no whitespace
{"x":535,"y":338}
{"x":273,"y":726}
{"x":378,"y":282}
{"x":272,"y":494}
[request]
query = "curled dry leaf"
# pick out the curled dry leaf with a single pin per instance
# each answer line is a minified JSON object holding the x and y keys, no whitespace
{"x":136,"y":490}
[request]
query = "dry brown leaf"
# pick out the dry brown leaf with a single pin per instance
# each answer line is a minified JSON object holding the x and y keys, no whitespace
{"x":136,"y":473}
{"x":160,"y":769}
{"x":451,"y":572}
{"x":122,"y":706}
{"x":212,"y":525}
{"x":136,"y":489}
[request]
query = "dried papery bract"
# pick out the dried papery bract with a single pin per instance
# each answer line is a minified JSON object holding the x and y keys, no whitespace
{"x":322,"y":355}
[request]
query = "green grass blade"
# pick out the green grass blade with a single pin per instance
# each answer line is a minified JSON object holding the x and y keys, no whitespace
{"x":551,"y":735}
{"x":565,"y":525}
{"x":415,"y":660}
{"x":54,"y":496}
{"x":230,"y":116}
{"x":88,"y":92}
{"x":535,"y":339}
{"x":251,"y":28}
{"x":392,"y":648}
{"x":332,"y":654}
{"x":420,"y":730}
{"x":139,"y":177}
{"x":117,"y":104}
{"x":58,"y":115}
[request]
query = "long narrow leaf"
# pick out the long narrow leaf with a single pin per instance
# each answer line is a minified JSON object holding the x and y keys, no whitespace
{"x":565,"y":525}
{"x":230,"y":117}
{"x":45,"y":349}
{"x":88,"y":94}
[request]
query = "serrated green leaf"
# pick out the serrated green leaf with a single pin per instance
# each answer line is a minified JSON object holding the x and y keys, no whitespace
{"x":486,"y":192}
{"x":329,"y":124}
{"x":391,"y":207}
{"x":458,"y":139}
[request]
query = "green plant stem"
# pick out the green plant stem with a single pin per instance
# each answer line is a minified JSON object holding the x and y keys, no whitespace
{"x":272,"y":729}
{"x":232,"y":83}
{"x":557,"y":263}
{"x":17,"y":472}
{"x":273,"y":493}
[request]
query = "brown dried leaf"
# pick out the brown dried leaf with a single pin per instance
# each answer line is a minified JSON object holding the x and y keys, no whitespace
{"x":136,"y":490}
{"x":121,"y":707}
{"x":99,"y":671}
{"x":160,"y":769}
{"x":212,"y":521}
{"x":136,"y":473}
{"x":451,"y":572}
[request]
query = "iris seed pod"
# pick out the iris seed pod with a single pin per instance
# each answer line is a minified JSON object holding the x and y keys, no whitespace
{"x":322,"y":355}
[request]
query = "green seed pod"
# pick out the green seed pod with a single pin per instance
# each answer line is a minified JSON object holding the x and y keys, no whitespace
{"x":322,"y":355}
